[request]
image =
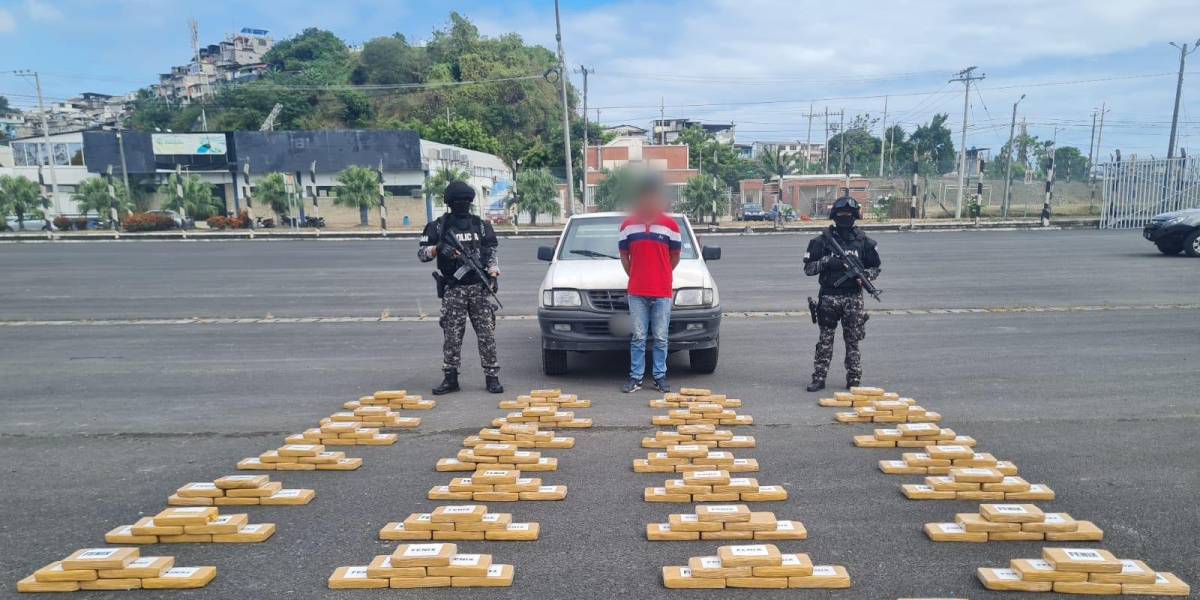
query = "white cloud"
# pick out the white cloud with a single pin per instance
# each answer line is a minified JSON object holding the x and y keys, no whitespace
{"x":7,"y":22}
{"x":41,"y":11}
{"x":741,"y":51}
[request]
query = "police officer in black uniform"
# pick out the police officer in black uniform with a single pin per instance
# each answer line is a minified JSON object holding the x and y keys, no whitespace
{"x":464,"y":295}
{"x":840,"y":302}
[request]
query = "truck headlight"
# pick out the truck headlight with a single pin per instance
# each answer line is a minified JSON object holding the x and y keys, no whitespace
{"x":694,"y":297}
{"x":1174,"y":220}
{"x":561,"y":298}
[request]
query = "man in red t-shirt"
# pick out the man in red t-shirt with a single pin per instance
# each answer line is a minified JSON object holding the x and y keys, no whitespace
{"x":650,"y":244}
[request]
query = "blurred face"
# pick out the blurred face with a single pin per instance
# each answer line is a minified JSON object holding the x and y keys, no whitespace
{"x":649,"y":203}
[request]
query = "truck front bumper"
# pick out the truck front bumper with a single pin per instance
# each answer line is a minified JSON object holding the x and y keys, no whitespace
{"x":586,"y":331}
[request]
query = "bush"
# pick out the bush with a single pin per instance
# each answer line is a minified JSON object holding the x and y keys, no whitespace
{"x":62,"y":223}
{"x":148,"y":222}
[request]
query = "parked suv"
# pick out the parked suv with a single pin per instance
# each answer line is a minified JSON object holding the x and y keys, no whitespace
{"x":1174,"y":232}
{"x":582,"y":300}
{"x":752,"y":211}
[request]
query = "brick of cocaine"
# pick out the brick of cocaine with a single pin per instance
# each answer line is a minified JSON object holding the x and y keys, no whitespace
{"x":423,"y":555}
{"x":681,"y":578}
{"x":953,"y":532}
{"x":823,"y":577}
{"x":1037,"y":569}
{"x":249,"y":534}
{"x":99,"y":558}
{"x":1010,"y":580}
{"x":178,"y":578}
{"x":355,"y":578}
{"x":1086,"y":560}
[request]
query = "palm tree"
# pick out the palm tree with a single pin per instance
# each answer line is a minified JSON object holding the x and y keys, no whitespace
{"x":777,"y":164}
{"x":272,"y":192}
{"x":616,"y":191}
{"x":536,"y":194}
{"x":196,"y":201}
{"x":92,"y":195}
{"x":360,"y":189}
{"x":437,"y":184}
{"x":702,"y":197}
{"x":21,"y":196}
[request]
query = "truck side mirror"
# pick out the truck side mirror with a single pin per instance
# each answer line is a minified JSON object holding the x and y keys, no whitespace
{"x":710,"y":252}
{"x":546,"y":253}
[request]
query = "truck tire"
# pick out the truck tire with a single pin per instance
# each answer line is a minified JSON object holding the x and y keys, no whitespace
{"x":554,"y":362}
{"x":1169,"y":249}
{"x":1191,"y":244}
{"x":705,"y":360}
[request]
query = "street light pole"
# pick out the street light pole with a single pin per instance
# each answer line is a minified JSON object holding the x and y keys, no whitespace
{"x":1008,"y":158}
{"x":569,"y":204}
{"x":37,"y":84}
{"x":1183,"y":54}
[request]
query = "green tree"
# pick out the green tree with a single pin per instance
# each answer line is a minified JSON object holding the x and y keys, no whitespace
{"x":711,"y":156}
{"x":390,"y":61}
{"x":197,"y":201}
{"x":271,"y":191}
{"x":462,"y":132}
{"x":436,"y":185}
{"x":703,"y":197}
{"x":311,"y":46}
{"x":359,"y":189}
{"x":21,"y":197}
{"x":617,"y":189}
{"x":5,"y":108}
{"x":775,"y":163}
{"x":92,"y":196}
{"x":1070,"y":164}
{"x":933,"y":142}
{"x":862,"y":148}
{"x":536,"y":193}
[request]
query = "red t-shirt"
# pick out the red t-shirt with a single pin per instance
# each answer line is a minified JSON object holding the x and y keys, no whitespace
{"x":650,"y":248}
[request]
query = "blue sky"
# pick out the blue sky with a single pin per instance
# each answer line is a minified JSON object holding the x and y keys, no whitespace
{"x":757,"y":63}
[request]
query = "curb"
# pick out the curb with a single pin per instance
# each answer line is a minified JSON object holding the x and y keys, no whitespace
{"x":375,"y":234}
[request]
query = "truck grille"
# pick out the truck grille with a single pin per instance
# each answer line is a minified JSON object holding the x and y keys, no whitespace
{"x":609,"y":300}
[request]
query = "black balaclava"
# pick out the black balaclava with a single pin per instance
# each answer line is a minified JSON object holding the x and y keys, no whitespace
{"x":459,"y":197}
{"x":844,"y":219}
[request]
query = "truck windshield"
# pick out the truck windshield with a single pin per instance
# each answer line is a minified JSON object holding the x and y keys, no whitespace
{"x":596,"y":239}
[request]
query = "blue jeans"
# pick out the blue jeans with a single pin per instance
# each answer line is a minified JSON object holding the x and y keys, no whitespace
{"x":648,"y":315}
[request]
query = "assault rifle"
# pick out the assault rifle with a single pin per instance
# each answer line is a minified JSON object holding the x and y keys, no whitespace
{"x":854,"y":269}
{"x":470,"y":264}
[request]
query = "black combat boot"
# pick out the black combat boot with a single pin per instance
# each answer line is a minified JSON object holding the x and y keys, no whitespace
{"x":853,"y":381}
{"x":449,"y":383}
{"x":493,"y":384}
{"x":816,"y":385}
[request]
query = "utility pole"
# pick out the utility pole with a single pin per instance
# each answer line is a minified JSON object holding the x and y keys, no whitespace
{"x":49,"y":148}
{"x":1008,"y":159}
{"x":808,"y":139}
{"x":1183,"y":53}
{"x":662,"y":119}
{"x":124,"y":165}
{"x":842,"y":146}
{"x":1100,"y":132}
{"x":569,"y":205}
{"x":966,"y":76}
{"x":883,"y":137}
{"x":826,"y":152}
{"x":585,"y":71}
{"x":1092,"y":141}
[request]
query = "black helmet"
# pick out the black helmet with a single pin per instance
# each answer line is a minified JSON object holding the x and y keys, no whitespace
{"x":843,"y":204}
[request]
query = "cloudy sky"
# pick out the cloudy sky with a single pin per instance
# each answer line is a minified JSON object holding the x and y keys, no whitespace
{"x":758,"y":63}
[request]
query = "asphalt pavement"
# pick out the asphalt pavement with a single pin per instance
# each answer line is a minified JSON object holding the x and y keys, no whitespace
{"x":99,"y":423}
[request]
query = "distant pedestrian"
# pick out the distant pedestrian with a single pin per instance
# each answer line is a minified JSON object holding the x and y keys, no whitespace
{"x":650,"y":244}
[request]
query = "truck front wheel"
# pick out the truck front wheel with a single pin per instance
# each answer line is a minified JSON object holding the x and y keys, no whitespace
{"x":705,"y":360}
{"x":554,"y":362}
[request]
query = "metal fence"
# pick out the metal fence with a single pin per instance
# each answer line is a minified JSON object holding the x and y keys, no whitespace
{"x":1136,"y":190}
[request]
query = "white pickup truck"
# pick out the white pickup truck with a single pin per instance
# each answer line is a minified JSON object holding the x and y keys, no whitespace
{"x":582,"y":301}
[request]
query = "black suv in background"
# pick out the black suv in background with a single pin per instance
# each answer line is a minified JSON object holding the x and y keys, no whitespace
{"x":1175,"y":232}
